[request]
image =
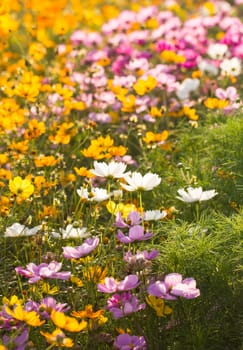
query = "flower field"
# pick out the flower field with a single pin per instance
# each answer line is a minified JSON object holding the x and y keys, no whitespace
{"x":121,"y":175}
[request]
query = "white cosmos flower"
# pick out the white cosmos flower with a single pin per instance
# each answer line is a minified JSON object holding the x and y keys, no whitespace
{"x":113,"y":169}
{"x":136,"y":181}
{"x":205,"y":66}
{"x":83,"y":193}
{"x":71,"y":232}
{"x":231,"y":66}
{"x":18,"y":230}
{"x":195,"y":195}
{"x":99,"y":194}
{"x":186,"y":87}
{"x":150,"y":215}
{"x":217,"y":51}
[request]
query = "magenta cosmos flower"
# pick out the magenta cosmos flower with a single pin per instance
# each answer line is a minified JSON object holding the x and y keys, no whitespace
{"x":127,"y":342}
{"x":37,"y":272}
{"x":113,"y":286}
{"x":77,"y":252}
{"x":135,"y":233}
{"x":124,"y":304}
{"x":173,"y":286}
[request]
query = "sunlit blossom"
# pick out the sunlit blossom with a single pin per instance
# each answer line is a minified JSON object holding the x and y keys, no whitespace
{"x":112,"y":170}
{"x":37,"y":272}
{"x":173,"y":287}
{"x":19,"y":230}
{"x":138,"y":182}
{"x":197,"y":194}
{"x":77,"y":252}
{"x":22,"y":188}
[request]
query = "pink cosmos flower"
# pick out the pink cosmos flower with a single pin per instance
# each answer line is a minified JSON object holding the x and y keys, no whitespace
{"x":36,"y":273}
{"x":173,"y":286}
{"x":135,"y":233}
{"x":77,"y":252}
{"x":126,"y":341}
{"x":111,"y":285}
{"x":121,"y":305}
{"x":228,"y":94}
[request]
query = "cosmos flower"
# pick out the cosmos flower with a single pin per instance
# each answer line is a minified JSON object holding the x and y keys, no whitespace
{"x":18,"y":230}
{"x":112,"y":170}
{"x":150,"y":215}
{"x":71,"y":232}
{"x":173,"y":286}
{"x":77,"y":252}
{"x":135,"y":233}
{"x":123,"y":304}
{"x":111,"y":285}
{"x":126,"y":341}
{"x":195,"y":195}
{"x":137,"y":182}
{"x":37,"y":272}
{"x":231,"y":67}
{"x":22,"y":188}
{"x":217,"y":51}
{"x":58,"y":338}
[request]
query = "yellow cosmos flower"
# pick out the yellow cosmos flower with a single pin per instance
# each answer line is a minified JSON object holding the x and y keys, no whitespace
{"x":14,"y":300}
{"x":29,"y":317}
{"x":158,"y":305}
{"x":43,"y":161}
{"x":70,"y":324}
{"x":215,"y":103}
{"x":22,"y":188}
{"x":171,"y":57}
{"x":58,"y":338}
{"x":143,"y":86}
{"x":124,"y":209}
{"x":27,"y":91}
{"x":95,"y":274}
{"x":151,"y":137}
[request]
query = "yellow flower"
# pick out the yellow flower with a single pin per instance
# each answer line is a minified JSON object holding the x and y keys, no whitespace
{"x":83,"y":172}
{"x":171,"y":57}
{"x":35,"y":129}
{"x":22,"y":188}
{"x":45,"y":287}
{"x":124,"y":209}
{"x":27,"y":91}
{"x":215,"y":103}
{"x":158,"y":305}
{"x":95,"y":274}
{"x":102,"y":147}
{"x":128,"y":102}
{"x":190,"y":113}
{"x":58,"y":338}
{"x":143,"y":86}
{"x":37,"y":51}
{"x":77,"y":281}
{"x":151,"y":137}
{"x":29,"y":317}
{"x":14,"y":300}
{"x":70,"y":324}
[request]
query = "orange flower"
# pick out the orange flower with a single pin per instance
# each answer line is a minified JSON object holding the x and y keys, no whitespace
{"x":88,"y":312}
{"x":35,"y":130}
{"x":43,"y":161}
